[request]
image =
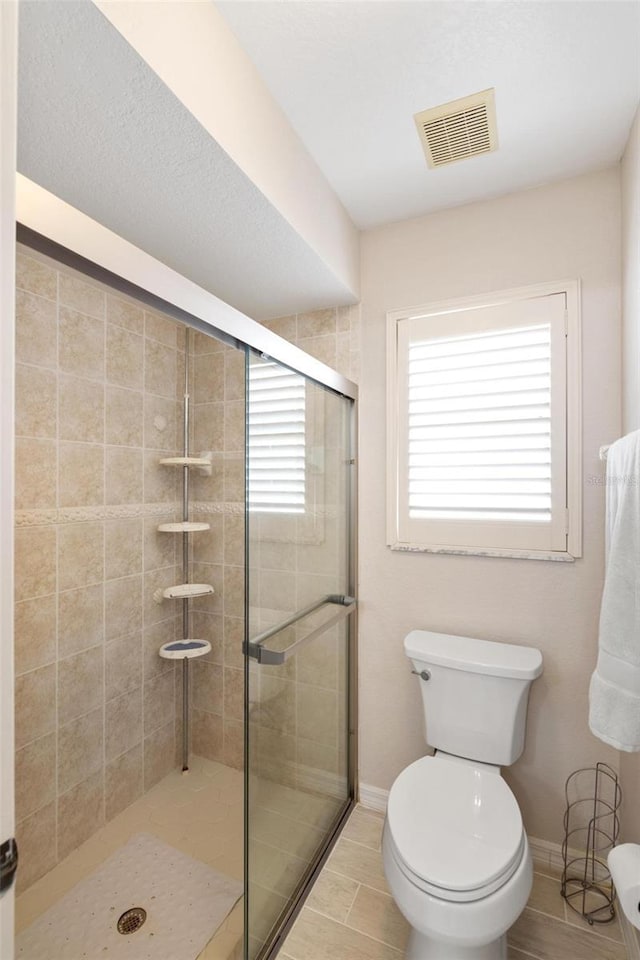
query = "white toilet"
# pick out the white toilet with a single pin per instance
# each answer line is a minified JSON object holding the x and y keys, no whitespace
{"x":455,"y":852}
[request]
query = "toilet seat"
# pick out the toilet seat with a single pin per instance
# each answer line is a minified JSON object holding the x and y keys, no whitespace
{"x":455,"y":827}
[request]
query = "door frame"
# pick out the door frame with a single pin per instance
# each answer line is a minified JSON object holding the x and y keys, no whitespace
{"x":8,"y":137}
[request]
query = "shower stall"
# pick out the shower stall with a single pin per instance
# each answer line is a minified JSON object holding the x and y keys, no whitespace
{"x":169,"y":449}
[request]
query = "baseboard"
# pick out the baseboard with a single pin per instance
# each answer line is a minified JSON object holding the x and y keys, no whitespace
{"x":373,"y":798}
{"x":545,"y":854}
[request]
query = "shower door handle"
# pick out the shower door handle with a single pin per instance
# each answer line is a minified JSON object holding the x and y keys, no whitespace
{"x":8,"y":863}
{"x":258,"y":651}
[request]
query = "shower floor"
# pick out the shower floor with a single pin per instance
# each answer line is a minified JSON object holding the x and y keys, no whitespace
{"x":199,"y":813}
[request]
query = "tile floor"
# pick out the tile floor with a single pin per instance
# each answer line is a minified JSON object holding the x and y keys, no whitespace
{"x":349,"y":914}
{"x":200,"y":813}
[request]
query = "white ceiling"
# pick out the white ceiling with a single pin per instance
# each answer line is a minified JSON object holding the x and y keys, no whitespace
{"x":350,"y":76}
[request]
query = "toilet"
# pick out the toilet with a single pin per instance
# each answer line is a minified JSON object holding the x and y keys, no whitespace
{"x":455,"y":852}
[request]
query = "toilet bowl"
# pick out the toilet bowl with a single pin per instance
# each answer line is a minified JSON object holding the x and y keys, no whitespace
{"x":456,"y":858}
{"x":454,"y":848}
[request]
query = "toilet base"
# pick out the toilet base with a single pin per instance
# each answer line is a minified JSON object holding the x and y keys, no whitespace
{"x":421,"y":947}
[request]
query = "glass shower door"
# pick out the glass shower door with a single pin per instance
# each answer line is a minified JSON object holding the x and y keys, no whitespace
{"x":298,"y":636}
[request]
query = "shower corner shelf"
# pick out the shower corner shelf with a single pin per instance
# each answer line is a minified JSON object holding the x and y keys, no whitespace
{"x":183,"y":591}
{"x":184,"y":526}
{"x":203,"y":462}
{"x":184,"y":649}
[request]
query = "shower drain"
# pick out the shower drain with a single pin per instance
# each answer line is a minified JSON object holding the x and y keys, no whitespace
{"x":131,"y":920}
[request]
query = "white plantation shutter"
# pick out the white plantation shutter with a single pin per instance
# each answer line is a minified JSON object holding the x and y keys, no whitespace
{"x":481,"y":432}
{"x":276,"y":460}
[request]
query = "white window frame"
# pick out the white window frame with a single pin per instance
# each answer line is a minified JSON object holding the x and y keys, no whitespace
{"x":396,"y":391}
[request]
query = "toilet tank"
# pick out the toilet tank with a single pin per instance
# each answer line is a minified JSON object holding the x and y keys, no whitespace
{"x":475,"y":700}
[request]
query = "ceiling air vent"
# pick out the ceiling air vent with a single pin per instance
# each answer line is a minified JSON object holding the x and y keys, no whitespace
{"x":459,"y":129}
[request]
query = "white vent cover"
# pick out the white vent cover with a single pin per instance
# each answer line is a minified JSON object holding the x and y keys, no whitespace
{"x":459,"y":129}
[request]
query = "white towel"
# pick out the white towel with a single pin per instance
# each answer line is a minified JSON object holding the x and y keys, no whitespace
{"x":614,"y":694}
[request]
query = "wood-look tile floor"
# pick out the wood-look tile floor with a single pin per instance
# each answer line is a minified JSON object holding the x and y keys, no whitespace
{"x":349,"y":914}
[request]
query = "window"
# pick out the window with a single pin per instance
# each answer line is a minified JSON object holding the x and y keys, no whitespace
{"x":484,"y":427}
{"x":277,"y":445}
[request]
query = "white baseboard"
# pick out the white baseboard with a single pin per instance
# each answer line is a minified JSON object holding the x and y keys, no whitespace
{"x":373,"y":798}
{"x":545,"y":854}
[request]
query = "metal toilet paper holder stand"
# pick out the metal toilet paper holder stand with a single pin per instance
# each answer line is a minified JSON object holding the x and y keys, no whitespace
{"x":591,"y":829}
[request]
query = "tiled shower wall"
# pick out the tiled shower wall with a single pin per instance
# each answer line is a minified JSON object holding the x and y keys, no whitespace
{"x":99,"y":400}
{"x":331,"y":335}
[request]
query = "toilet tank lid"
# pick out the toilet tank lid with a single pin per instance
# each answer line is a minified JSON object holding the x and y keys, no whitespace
{"x":475,"y":656}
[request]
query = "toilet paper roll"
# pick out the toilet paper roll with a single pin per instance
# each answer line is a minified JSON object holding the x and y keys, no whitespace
{"x":624,"y":864}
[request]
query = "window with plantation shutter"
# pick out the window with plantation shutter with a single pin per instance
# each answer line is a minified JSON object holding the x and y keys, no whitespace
{"x":479,"y":451}
{"x":276,"y":451}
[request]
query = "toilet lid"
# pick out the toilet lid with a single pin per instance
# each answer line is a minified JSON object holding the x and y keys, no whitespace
{"x":455,"y":825}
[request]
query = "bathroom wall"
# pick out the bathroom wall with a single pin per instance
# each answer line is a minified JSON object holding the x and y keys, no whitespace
{"x":630,"y":168}
{"x":98,"y":382}
{"x":218,"y":556}
{"x":564,"y":230}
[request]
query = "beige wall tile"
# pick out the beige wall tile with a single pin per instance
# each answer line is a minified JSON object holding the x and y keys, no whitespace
{"x":123,"y":666}
{"x":208,"y":545}
{"x":234,"y":374}
{"x":80,"y":344}
{"x":234,"y":425}
{"x":80,"y":619}
{"x":208,"y":626}
{"x":123,"y":722}
{"x":123,"y":475}
{"x":81,"y":295}
{"x":80,"y":813}
{"x":162,"y":425}
{"x":318,"y":323}
{"x":322,"y":348}
{"x":123,"y":781}
{"x":204,"y":343}
{"x":35,"y":775}
{"x":36,"y":330}
{"x":234,"y":539}
{"x":80,"y":474}
{"x":233,"y":639}
{"x":209,"y":378}
{"x":35,"y":276}
{"x":35,"y":706}
{"x":160,"y":369}
{"x":160,"y":482}
{"x":123,"y":607}
{"x":80,"y":749}
{"x":125,"y":358}
{"x":123,"y":547}
{"x":233,"y":732}
{"x":207,"y":689}
{"x":153,"y":638}
{"x":123,"y":417}
{"x":159,"y":751}
{"x":376,"y":914}
{"x":317,"y":714}
{"x":35,"y":633}
{"x":80,"y":554}
{"x":320,"y":756}
{"x":332,"y":895}
{"x":35,"y":401}
{"x":234,"y":479}
{"x":81,"y":410}
{"x":35,"y":562}
{"x":159,"y":327}
{"x":207,"y":732}
{"x":35,"y":473}
{"x":159,"y":548}
{"x":159,"y":580}
{"x":208,"y":426}
{"x":233,"y":693}
{"x":233,"y":591}
{"x":36,"y":838}
{"x":125,"y":314}
{"x":80,"y":684}
{"x":283,"y":326}
{"x":158,"y":702}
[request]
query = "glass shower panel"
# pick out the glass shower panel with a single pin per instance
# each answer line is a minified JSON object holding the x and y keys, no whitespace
{"x":298,"y":516}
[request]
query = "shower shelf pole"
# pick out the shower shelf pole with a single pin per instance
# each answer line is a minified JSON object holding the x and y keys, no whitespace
{"x":185,"y":563}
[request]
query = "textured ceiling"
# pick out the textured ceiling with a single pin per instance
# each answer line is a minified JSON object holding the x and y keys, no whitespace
{"x":350,"y":76}
{"x":100,"y":130}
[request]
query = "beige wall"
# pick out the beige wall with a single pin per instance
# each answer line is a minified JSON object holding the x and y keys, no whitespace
{"x":630,"y":763}
{"x":566,"y":230}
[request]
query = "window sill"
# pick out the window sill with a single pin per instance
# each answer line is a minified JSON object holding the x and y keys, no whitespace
{"x":556,"y":556}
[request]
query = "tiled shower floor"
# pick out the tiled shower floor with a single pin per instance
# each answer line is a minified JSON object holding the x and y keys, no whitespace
{"x":199,"y":813}
{"x":349,"y":914}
